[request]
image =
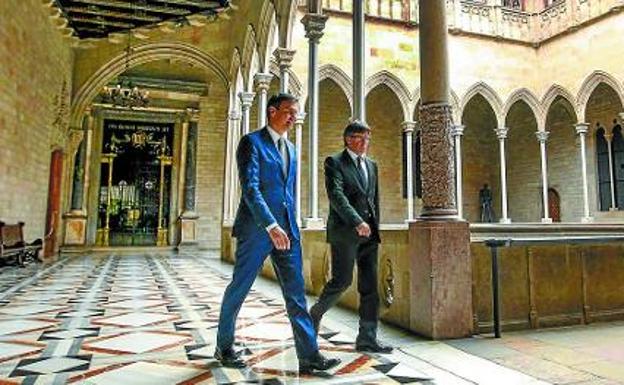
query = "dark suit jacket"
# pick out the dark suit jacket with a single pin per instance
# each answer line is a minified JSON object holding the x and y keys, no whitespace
{"x":349,"y":202}
{"x":266,"y":195}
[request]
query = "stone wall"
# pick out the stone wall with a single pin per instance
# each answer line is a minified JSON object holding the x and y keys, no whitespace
{"x":35,"y":78}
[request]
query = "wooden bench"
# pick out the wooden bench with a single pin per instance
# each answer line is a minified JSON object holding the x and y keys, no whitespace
{"x":13,"y":248}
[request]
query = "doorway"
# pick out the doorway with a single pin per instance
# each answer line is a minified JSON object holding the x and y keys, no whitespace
{"x":54,"y":203}
{"x":135,"y":184}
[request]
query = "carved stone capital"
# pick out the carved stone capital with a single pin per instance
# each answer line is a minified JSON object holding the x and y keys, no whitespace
{"x":458,"y":130}
{"x":300,"y":118}
{"x":581,"y":128}
{"x":437,"y":167}
{"x":284,"y":57}
{"x":263,"y":81}
{"x":542,"y":136}
{"x":501,"y":133}
{"x":408,"y":127}
{"x":314,"y":24}
{"x":246,"y":99}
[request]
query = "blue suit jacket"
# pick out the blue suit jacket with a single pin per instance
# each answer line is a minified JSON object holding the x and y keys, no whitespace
{"x":267,"y":196}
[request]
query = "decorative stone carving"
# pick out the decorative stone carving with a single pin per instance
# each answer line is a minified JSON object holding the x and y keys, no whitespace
{"x":314,"y":25}
{"x":542,"y":136}
{"x":284,"y":57}
{"x":263,"y":81}
{"x":437,"y":167}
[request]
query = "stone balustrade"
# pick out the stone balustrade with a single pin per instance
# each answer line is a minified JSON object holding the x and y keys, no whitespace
{"x":542,"y":285}
{"x":490,"y":18}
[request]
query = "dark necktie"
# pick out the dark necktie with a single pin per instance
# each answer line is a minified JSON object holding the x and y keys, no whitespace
{"x":360,"y":167}
{"x":281,"y":146}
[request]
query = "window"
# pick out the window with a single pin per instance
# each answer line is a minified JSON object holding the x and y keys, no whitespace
{"x":416,"y":179}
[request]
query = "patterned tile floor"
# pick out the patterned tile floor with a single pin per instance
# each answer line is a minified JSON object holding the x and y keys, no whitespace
{"x":151,"y":318}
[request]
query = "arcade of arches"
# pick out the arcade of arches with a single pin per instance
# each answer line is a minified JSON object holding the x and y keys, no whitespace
{"x":537,"y":108}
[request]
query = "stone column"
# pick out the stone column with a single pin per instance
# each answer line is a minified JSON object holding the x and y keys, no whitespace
{"x":314,"y":24}
{"x":581,"y":130}
{"x":501,"y":134}
{"x":359,"y":72}
{"x":542,"y":136}
{"x":75,"y":221}
{"x":188,"y":219}
{"x":609,"y":138}
{"x":458,"y":132}
{"x":298,"y":144}
{"x":439,"y":243}
{"x":246,"y":102}
{"x":408,"y":130}
{"x":284,"y":58}
{"x":232,"y":172}
{"x":263,"y":83}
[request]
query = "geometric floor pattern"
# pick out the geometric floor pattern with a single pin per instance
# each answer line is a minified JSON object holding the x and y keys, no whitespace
{"x":150,"y":319}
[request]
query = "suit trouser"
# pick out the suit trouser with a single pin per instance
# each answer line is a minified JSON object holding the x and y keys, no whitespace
{"x":250,"y":255}
{"x":344,"y":255}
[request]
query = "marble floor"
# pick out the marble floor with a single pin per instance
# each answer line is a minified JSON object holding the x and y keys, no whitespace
{"x":147,"y":318}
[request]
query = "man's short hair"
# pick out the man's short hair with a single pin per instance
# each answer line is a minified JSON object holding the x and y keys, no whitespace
{"x":276,"y":101}
{"x":355,"y":127}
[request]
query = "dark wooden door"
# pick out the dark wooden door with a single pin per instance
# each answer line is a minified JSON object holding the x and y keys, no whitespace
{"x":554,"y":205}
{"x":54,"y":203}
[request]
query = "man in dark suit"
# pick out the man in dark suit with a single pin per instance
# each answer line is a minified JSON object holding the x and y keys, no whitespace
{"x":351,"y":180}
{"x":265,"y":224}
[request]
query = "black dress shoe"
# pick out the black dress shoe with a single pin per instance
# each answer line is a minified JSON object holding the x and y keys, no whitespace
{"x":318,"y":362}
{"x":372,"y":347}
{"x":229,"y":358}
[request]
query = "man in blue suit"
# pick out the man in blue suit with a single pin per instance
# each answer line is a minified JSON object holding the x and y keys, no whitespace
{"x":266,"y":225}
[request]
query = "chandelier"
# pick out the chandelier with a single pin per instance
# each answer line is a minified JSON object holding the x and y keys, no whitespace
{"x":125,"y":93}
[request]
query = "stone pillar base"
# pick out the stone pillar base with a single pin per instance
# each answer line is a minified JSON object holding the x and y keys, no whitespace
{"x":314,"y":223}
{"x":188,"y":229}
{"x":75,"y":228}
{"x":547,"y":220}
{"x":505,"y":221}
{"x":587,"y":220}
{"x":441,"y":281}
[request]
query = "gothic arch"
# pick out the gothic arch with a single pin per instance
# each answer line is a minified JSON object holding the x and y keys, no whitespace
{"x":250,"y":50}
{"x":332,"y":72}
{"x":141,"y":54}
{"x":523,"y":94}
{"x":396,"y":86}
{"x":267,"y":27}
{"x":589,"y":85}
{"x":488,"y":94}
{"x":235,"y":64}
{"x":556,"y":91}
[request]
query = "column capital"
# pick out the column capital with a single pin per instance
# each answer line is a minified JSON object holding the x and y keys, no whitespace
{"x":314,"y":24}
{"x":621,"y":115}
{"x":263,"y":81}
{"x":300,"y":118}
{"x":581,"y":128}
{"x":408,"y":126}
{"x":246,"y":98}
{"x":542,"y":136}
{"x":608,"y":136}
{"x":458,"y":130}
{"x":284,"y":57}
{"x":501,"y":132}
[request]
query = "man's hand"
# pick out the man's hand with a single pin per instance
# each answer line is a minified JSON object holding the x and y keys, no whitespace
{"x":363,"y":230}
{"x":279,"y":238}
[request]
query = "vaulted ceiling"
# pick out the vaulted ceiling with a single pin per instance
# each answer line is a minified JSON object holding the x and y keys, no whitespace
{"x":98,"y":18}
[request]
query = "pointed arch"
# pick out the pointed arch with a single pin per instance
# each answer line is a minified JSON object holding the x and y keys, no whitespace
{"x":523,"y":94}
{"x":250,"y":51}
{"x":332,"y":72}
{"x":589,"y":85}
{"x":235,"y":63}
{"x":489,"y":95}
{"x":556,"y":91}
{"x":395,"y":85}
{"x":267,"y":28}
{"x":141,"y":54}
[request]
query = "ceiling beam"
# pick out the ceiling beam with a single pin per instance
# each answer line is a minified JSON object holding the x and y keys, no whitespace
{"x":108,"y":13}
{"x":135,"y":6}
